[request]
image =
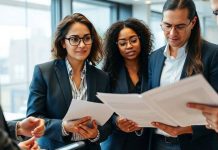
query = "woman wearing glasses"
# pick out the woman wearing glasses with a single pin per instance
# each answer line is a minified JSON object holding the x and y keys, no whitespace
{"x":185,"y":54}
{"x":71,"y":75}
{"x":127,"y":47}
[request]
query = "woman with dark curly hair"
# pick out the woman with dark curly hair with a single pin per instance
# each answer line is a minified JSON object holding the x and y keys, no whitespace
{"x":71,"y":75}
{"x":127,"y":46}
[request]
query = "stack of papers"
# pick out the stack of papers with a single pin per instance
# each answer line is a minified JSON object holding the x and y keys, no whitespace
{"x":164,"y":104}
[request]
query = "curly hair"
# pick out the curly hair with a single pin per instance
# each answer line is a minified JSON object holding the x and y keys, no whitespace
{"x":114,"y":61}
{"x":58,"y":52}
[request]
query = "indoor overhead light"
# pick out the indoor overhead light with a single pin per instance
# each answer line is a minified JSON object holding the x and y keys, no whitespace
{"x":148,"y":2}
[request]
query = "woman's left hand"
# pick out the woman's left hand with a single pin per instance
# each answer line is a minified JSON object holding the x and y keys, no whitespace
{"x":210,"y":113}
{"x":88,"y":132}
{"x":172,"y":130}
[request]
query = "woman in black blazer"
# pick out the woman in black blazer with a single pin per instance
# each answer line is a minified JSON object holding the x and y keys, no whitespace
{"x":71,"y":75}
{"x":127,"y":47}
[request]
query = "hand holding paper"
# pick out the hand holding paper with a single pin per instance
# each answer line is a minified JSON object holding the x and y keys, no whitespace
{"x":73,"y":126}
{"x":126,"y":125}
{"x":81,"y":108}
{"x":164,"y":104}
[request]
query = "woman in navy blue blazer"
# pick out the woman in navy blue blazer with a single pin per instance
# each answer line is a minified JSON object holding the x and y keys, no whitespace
{"x":127,"y":47}
{"x":185,"y":54}
{"x":71,"y":75}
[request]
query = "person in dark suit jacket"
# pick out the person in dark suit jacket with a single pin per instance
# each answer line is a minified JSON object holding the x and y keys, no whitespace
{"x":71,"y":75}
{"x":210,"y":112}
{"x":10,"y":130}
{"x":127,"y":47}
{"x":185,"y":54}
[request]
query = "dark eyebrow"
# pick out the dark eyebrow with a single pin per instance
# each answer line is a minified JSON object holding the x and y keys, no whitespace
{"x":167,"y":23}
{"x":78,"y":35}
{"x":129,"y":37}
{"x":175,"y":25}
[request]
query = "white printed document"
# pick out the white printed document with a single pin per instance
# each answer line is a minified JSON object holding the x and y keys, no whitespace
{"x":81,"y":108}
{"x":164,"y":104}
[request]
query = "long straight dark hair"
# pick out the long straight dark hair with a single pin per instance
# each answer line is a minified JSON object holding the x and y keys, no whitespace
{"x":193,"y":48}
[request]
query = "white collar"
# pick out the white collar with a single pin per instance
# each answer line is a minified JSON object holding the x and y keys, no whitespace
{"x":181,"y":52}
{"x":70,"y":69}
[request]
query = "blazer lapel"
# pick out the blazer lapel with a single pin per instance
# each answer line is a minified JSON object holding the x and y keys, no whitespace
{"x":144,"y":84}
{"x":122,"y":86}
{"x":183,"y":74}
{"x":63,"y":79}
{"x":91,"y":83}
{"x":158,"y":68}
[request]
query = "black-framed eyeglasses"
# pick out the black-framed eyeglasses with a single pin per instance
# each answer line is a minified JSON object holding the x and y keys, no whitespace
{"x":132,"y":40}
{"x":75,"y":40}
{"x":168,"y":27}
{"x":215,"y":12}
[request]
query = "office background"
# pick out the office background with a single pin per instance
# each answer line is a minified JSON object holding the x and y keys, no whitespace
{"x":27,"y":28}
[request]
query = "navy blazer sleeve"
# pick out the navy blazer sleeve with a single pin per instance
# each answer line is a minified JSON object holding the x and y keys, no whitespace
{"x":37,"y":106}
{"x":210,"y":61}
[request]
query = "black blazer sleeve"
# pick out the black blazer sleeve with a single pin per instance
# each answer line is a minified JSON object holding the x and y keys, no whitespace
{"x":6,"y":143}
{"x":12,"y":128}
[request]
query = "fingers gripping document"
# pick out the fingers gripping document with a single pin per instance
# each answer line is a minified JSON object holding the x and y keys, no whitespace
{"x":81,"y":108}
{"x":164,"y":104}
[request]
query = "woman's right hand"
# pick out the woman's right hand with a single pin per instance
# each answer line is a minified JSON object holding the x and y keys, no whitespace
{"x":73,"y":126}
{"x":126,"y":125}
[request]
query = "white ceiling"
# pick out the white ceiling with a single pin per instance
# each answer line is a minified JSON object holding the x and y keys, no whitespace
{"x":139,"y":1}
{"x":145,"y":1}
{"x":203,"y":6}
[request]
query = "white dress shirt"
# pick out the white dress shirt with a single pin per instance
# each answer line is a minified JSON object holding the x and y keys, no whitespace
{"x":172,"y":70}
{"x":77,"y":93}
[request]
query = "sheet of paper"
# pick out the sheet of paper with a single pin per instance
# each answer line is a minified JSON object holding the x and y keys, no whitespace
{"x":131,"y":106}
{"x":165,"y":104}
{"x":171,"y":100}
{"x":81,"y":108}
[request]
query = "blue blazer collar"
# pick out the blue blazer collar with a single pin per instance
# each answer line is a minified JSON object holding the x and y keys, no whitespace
{"x":159,"y":67}
{"x":63,"y":79}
